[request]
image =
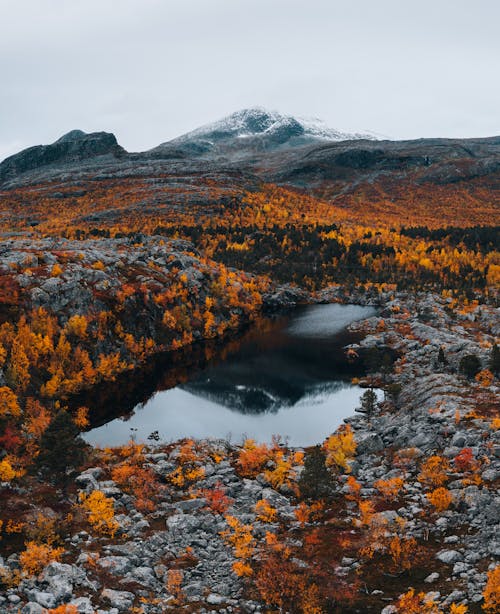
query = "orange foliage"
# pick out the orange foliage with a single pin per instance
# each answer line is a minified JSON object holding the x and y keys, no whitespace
{"x":402,"y":553}
{"x":491,"y":593}
{"x":265,"y":512}
{"x":8,"y":403}
{"x":252,"y":458}
{"x":433,"y":471}
{"x":174,"y":585}
{"x":441,"y":498}
{"x":391,"y":487}
{"x":240,"y":537}
{"x":37,"y":556}
{"x":217,"y":499}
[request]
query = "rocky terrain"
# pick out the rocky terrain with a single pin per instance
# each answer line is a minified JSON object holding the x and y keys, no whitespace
{"x":434,"y":411}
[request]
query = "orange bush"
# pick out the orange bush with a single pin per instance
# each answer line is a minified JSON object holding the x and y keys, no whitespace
{"x":412,"y":603}
{"x":100,"y":512}
{"x":252,"y":458}
{"x":265,"y":512}
{"x":402,"y":553}
{"x":491,"y":593}
{"x":391,"y":487}
{"x":217,"y":499}
{"x":240,"y":537}
{"x":441,"y":498}
{"x":37,"y":556}
{"x":433,"y":471}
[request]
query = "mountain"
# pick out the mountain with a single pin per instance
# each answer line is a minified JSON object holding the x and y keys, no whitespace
{"x":75,"y":146}
{"x":253,"y":130}
{"x":388,"y":181}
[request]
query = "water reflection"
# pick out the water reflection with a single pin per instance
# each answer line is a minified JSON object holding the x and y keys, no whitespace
{"x":291,"y":378}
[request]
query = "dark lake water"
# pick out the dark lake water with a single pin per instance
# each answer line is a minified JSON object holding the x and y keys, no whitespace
{"x":289,"y":377}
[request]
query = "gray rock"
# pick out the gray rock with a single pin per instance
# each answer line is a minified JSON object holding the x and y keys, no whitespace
{"x":431,"y":578}
{"x":83,"y":605}
{"x":122,"y":600}
{"x":118,"y":565}
{"x":449,"y":556}
{"x":190,"y":505}
{"x":47,"y":600}
{"x":490,"y":475}
{"x":368,"y":443}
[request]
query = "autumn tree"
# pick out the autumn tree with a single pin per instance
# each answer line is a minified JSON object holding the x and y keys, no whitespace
{"x":100,"y":512}
{"x":340,"y":448}
{"x":491,"y":592}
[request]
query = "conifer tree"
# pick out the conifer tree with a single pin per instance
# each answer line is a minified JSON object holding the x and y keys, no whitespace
{"x":316,"y":481}
{"x":61,"y":448}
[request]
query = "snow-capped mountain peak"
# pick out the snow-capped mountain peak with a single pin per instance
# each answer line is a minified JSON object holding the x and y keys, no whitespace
{"x":257,"y":121}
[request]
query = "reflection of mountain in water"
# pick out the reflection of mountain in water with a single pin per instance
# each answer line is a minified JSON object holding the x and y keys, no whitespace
{"x":262,"y":399}
{"x":252,"y":382}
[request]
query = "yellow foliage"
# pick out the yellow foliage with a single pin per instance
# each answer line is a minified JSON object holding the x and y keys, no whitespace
{"x":340,"y":448}
{"x":240,"y":537}
{"x":282,"y":472}
{"x":77,"y":326}
{"x":37,"y":556}
{"x":411,"y":603}
{"x":8,"y":403}
{"x":7,"y":471}
{"x":100,"y":512}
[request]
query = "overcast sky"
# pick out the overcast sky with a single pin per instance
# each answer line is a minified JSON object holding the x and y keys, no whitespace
{"x":149,"y":70}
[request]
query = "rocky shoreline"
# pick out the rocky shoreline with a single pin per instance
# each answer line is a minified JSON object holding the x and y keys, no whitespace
{"x":431,"y":409}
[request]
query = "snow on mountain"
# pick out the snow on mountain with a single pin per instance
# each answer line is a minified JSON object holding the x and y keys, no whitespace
{"x":257,"y":121}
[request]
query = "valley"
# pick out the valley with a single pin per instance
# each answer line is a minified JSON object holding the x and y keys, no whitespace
{"x":125,"y":273}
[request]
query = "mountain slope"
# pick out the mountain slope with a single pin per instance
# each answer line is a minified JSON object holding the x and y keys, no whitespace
{"x":425,"y":181}
{"x":75,"y":146}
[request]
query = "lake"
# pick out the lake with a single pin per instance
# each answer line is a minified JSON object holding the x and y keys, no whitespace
{"x":289,"y":377}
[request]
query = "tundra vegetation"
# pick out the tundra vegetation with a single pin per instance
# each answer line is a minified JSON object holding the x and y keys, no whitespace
{"x":394,"y":512}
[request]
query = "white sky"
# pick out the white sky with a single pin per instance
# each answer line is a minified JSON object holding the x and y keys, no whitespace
{"x":149,"y":70}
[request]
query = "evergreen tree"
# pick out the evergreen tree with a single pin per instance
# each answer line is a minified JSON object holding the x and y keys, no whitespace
{"x":61,"y":448}
{"x":315,"y":481}
{"x":368,"y":401}
{"x":494,"y":363}
{"x":470,"y":365}
{"x":441,"y":357}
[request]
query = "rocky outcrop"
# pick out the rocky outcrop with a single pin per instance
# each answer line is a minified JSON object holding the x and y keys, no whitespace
{"x":75,"y":146}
